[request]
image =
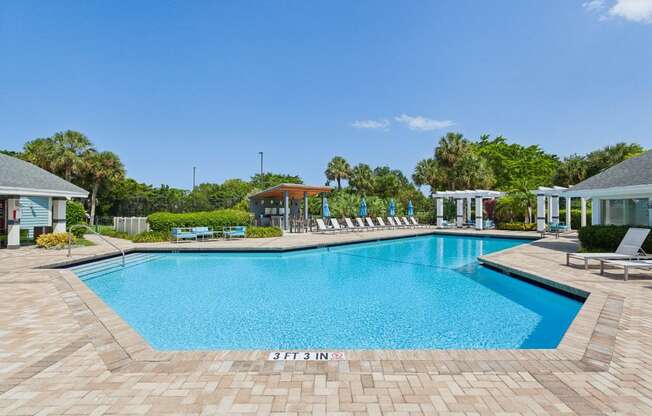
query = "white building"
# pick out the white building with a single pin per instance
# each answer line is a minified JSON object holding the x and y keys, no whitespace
{"x":621,"y":195}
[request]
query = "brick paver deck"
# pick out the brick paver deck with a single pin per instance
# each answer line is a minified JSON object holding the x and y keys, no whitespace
{"x":63,"y":351}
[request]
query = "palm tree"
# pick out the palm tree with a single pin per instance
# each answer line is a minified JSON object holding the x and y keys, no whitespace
{"x":100,"y":168}
{"x":523,"y":196}
{"x":571,"y":171}
{"x":427,"y":172}
{"x":40,"y":152}
{"x":362,"y":179}
{"x":451,"y":148}
{"x":338,"y":168}
{"x":69,"y":148}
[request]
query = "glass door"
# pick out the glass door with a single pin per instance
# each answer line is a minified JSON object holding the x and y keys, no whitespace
{"x":3,"y":223}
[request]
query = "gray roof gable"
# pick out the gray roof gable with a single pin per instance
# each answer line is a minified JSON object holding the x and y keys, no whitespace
{"x":630,"y":172}
{"x":18,"y":174}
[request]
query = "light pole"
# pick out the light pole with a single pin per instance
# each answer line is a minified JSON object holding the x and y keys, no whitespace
{"x":194,"y":171}
{"x":261,"y":166}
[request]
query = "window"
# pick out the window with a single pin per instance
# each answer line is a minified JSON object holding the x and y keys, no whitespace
{"x":624,"y":212}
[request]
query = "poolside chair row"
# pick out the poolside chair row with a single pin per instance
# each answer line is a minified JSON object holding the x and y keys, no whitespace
{"x":367,"y":224}
{"x":204,"y":233}
{"x":628,"y":255}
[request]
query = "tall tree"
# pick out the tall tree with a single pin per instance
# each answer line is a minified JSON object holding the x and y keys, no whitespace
{"x":362,"y":179}
{"x":338,"y":168}
{"x":572,"y":170}
{"x":69,"y":148}
{"x":600,"y":160}
{"x":427,"y":172}
{"x":41,"y":153}
{"x":101,"y":168}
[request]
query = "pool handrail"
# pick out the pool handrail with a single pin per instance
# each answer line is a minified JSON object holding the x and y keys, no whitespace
{"x":96,"y":233}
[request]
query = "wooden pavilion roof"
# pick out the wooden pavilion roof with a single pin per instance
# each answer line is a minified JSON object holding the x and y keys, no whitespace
{"x":294,"y":190}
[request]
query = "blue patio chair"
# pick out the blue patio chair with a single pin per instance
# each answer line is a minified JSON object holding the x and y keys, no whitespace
{"x":237,"y":231}
{"x":179,"y":234}
{"x":203,"y":232}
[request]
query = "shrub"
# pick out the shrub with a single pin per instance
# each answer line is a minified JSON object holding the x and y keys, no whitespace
{"x":165,"y":221}
{"x":151,"y":237}
{"x":576,"y":217}
{"x":53,"y":240}
{"x":426,"y":217}
{"x":263,"y":232}
{"x":75,"y":214}
{"x":606,"y":238}
{"x":516,"y":226}
{"x":110,"y":232}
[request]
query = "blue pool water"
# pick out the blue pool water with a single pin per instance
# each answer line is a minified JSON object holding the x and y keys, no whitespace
{"x":415,"y":293}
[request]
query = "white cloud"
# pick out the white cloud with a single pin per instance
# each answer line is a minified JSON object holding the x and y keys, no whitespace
{"x":381,"y":124}
{"x":422,"y":123}
{"x":634,"y":10}
{"x":593,"y":5}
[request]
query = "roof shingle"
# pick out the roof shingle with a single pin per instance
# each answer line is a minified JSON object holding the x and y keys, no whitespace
{"x":16,"y":173}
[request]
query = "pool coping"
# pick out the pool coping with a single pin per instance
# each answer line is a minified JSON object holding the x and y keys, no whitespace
{"x":123,"y":349}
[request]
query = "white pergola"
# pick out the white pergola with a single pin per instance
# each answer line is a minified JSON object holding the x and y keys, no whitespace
{"x":551,"y":195}
{"x":460,"y":196}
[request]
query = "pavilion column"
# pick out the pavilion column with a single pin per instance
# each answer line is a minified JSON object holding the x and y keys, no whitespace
{"x":555,"y":210}
{"x":569,"y":218}
{"x":649,"y":212}
{"x":305,"y":206}
{"x":595,"y":211}
{"x":440,"y":212}
{"x":478,"y":213}
{"x":541,"y":212}
{"x":286,"y":210}
{"x":59,"y":215}
{"x":583,"y":212}
{"x":469,"y":201}
{"x":549,"y":208}
{"x":460,"y":212}
{"x":13,"y":223}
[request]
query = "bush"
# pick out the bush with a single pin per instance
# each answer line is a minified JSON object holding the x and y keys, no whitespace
{"x":165,"y":221}
{"x":53,"y":240}
{"x":110,"y":232}
{"x":576,"y":217}
{"x":263,"y":232}
{"x":606,"y":238}
{"x":517,"y":226}
{"x":151,"y":237}
{"x":75,"y":214}
{"x":426,"y":217}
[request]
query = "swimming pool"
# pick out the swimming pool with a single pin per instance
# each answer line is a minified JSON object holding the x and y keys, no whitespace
{"x":411,"y":293}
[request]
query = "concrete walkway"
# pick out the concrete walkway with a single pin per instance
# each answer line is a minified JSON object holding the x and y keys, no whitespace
{"x":63,"y":351}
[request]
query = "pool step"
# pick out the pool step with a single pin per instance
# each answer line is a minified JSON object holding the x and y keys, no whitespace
{"x":96,"y":269}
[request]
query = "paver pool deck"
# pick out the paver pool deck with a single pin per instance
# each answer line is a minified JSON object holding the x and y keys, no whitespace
{"x":63,"y":351}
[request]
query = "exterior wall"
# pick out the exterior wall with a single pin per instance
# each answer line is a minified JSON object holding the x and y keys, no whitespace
{"x":35,"y":211}
{"x":265,"y":209}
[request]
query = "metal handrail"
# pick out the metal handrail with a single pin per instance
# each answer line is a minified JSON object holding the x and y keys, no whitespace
{"x":96,"y":233}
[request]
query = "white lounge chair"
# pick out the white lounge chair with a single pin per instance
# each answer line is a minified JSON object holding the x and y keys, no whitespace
{"x":349,"y":224}
{"x":322,"y":228}
{"x":626,"y":265}
{"x":392,"y":223}
{"x":398,"y":221}
{"x":416,"y":223}
{"x":407,"y":223}
{"x":361,"y":224}
{"x":371,"y":224}
{"x":382,"y":223}
{"x":629,"y":248}
{"x":336,"y":226}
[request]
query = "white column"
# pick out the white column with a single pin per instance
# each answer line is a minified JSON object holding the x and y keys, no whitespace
{"x":460,"y":212}
{"x":286,"y":210}
{"x":568,"y":212}
{"x":583,"y":214}
{"x":59,"y":215}
{"x":305,"y":206}
{"x":595,"y":211}
{"x":549,"y":209}
{"x":13,"y":223}
{"x":555,"y":209}
{"x":440,"y":212}
{"x":478,"y":213}
{"x":469,"y":201}
{"x":541,"y":212}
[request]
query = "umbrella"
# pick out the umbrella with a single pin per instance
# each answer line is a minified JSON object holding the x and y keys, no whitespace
{"x":362,"y":211}
{"x":326,"y":212}
{"x":392,"y":208}
{"x":410,"y":209}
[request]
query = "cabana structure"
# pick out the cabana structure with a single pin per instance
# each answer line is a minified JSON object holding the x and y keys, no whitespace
{"x":276,"y":205}
{"x":548,"y":206}
{"x":460,"y":197}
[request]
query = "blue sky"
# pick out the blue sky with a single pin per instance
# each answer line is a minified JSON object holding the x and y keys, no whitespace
{"x":171,"y":85}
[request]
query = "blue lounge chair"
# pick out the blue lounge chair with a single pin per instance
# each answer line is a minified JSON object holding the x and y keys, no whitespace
{"x":180,"y":234}
{"x":203,"y":232}
{"x":237,"y":231}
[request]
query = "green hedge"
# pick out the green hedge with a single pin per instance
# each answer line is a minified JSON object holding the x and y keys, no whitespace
{"x":75,"y":214}
{"x":516,"y":226}
{"x":606,"y":238}
{"x":165,"y":221}
{"x":263,"y":232}
{"x":576,"y":217}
